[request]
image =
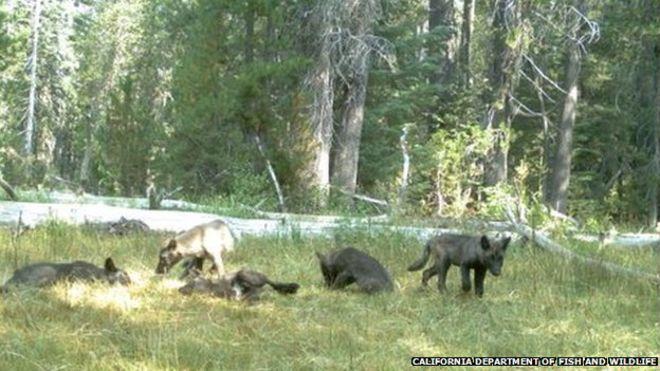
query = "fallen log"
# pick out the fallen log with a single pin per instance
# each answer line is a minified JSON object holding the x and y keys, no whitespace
{"x":617,"y":241}
{"x":86,"y":198}
{"x":316,"y":218}
{"x":622,"y":240}
{"x":545,"y":242}
{"x":176,"y":221}
{"x":58,"y":197}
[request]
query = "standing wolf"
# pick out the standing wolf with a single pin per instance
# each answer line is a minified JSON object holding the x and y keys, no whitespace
{"x":343,"y":267}
{"x":467,"y":252}
{"x":242,"y":285}
{"x":205,"y":241}
{"x":44,"y":274}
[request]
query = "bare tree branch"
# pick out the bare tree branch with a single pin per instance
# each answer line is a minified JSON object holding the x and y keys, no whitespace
{"x":528,"y":112}
{"x":543,"y":75}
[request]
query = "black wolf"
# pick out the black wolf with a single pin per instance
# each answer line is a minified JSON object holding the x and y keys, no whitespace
{"x":242,"y":285}
{"x":467,"y":252}
{"x":44,"y":274}
{"x":343,"y":267}
{"x":205,"y":241}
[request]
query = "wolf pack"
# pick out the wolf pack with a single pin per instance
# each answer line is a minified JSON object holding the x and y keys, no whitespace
{"x":339,"y":268}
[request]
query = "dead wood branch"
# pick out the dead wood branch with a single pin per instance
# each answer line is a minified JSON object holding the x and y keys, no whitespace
{"x":271,"y":172}
{"x":545,"y":242}
{"x":363,"y":198}
{"x":8,"y":189}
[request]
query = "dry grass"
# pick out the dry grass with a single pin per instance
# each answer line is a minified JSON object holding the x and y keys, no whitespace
{"x":541,"y":305}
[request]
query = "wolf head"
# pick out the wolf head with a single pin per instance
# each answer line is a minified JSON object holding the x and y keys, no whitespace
{"x":493,"y":253}
{"x":115,"y":275}
{"x":168,"y":256}
{"x":328,"y":275}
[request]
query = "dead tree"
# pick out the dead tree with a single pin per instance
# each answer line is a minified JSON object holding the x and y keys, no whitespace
{"x":30,"y":126}
{"x":561,"y":168}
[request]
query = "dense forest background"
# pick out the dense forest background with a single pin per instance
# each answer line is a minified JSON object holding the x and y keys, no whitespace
{"x":436,"y":107}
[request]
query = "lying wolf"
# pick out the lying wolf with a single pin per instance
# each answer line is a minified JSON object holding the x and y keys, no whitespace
{"x":122,"y":227}
{"x":467,"y":252}
{"x":242,"y":285}
{"x":44,"y":274}
{"x":205,"y":241}
{"x":343,"y":267}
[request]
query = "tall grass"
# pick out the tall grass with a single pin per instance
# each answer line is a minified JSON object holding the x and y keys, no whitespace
{"x":541,"y":305}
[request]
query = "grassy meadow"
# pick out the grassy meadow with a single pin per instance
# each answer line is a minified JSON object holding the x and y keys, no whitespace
{"x":540,"y":305}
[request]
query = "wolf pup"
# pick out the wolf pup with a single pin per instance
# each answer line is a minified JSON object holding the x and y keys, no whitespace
{"x":343,"y":267}
{"x":44,"y":274}
{"x":467,"y":252}
{"x":242,"y":285}
{"x":205,"y":241}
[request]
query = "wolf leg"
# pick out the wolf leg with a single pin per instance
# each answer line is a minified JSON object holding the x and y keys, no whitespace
{"x":465,"y":278}
{"x":342,"y":280}
{"x":428,"y":273}
{"x":192,"y":267}
{"x":479,"y":276}
{"x":217,"y":263}
{"x":443,"y":267}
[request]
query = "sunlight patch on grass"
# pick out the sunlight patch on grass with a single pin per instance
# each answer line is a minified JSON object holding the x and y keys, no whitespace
{"x":170,"y":283}
{"x":78,"y":294}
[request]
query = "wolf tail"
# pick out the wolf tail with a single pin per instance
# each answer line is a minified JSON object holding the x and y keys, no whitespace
{"x":421,"y":262}
{"x":284,"y":288}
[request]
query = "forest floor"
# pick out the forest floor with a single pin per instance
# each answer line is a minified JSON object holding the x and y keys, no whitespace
{"x":541,"y":305}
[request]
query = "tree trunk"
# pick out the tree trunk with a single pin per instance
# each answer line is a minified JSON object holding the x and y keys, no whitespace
{"x":347,"y":154}
{"x":63,"y":156}
{"x":86,"y":163}
{"x":561,"y":167}
{"x":345,"y":167}
{"x":466,"y":38}
{"x":505,"y":61}
{"x":321,"y":85}
{"x":545,"y":158}
{"x":655,"y":178}
{"x":249,"y":35}
{"x":441,"y":13}
{"x":31,"y":124}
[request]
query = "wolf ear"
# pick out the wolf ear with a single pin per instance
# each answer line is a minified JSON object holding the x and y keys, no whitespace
{"x":110,"y":265}
{"x":171,"y":244}
{"x":505,"y":242}
{"x":485,"y":244}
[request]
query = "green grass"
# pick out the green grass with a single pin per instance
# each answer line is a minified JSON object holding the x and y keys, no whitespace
{"x":642,"y":258}
{"x":541,"y":305}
